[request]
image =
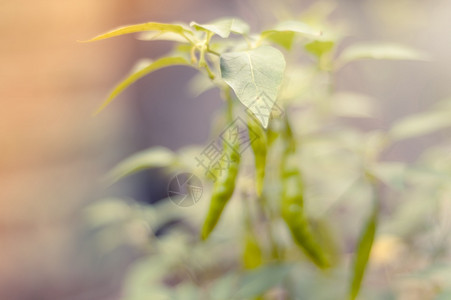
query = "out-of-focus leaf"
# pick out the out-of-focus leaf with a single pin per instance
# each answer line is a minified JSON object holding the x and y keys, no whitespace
{"x":284,"y":32}
{"x":380,"y":51}
{"x":157,"y":157}
{"x":224,"y":287}
{"x":252,"y":254}
{"x":151,"y":26}
{"x":199,"y":84}
{"x":106,"y":212}
{"x":151,"y":292}
{"x":223,"y":27}
{"x":319,"y":47}
{"x":187,"y":160}
{"x":239,"y":26}
{"x":352,"y":105}
{"x":297,"y":83}
{"x":186,"y":291}
{"x":363,"y":253}
{"x":255,"y":76}
{"x":143,"y":277}
{"x":140,"y":72}
{"x":420,"y":124}
{"x":294,"y":26}
{"x":162,"y":36}
{"x":283,"y":38}
{"x":391,"y":173}
{"x":260,"y":280}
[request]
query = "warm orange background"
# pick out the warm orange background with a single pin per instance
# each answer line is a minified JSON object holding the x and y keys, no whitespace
{"x":51,"y":150}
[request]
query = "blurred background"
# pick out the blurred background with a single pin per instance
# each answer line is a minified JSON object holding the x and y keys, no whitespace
{"x":54,"y":154}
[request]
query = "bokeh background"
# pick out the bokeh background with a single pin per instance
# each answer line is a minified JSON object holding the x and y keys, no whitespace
{"x":54,"y":154}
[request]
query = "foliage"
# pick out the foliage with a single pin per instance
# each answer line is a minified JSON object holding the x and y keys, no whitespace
{"x":290,"y":230}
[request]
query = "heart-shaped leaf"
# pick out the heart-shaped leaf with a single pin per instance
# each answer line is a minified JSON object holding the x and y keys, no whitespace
{"x":255,"y":76}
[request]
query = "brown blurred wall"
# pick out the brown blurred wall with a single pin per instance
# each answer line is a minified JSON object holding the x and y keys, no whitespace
{"x":52,"y":151}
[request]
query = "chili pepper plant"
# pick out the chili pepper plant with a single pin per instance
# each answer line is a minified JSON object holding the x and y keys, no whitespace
{"x":299,"y":203}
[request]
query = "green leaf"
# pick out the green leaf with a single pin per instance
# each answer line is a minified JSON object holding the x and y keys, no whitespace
{"x":255,"y":76}
{"x":421,"y":124}
{"x":295,"y":27}
{"x":380,"y":51}
{"x":223,"y":27}
{"x":186,"y":291}
{"x":252,"y":254}
{"x":363,"y":253}
{"x":284,"y":32}
{"x":157,"y":157}
{"x":151,"y":26}
{"x":258,"y":281}
{"x":283,"y":38}
{"x":319,"y":48}
{"x":162,"y":36}
{"x":224,"y":286}
{"x":106,"y":212}
{"x":249,"y":285}
{"x":139,"y":72}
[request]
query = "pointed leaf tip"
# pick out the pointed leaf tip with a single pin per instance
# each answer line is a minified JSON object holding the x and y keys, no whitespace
{"x":138,"y":74}
{"x":150,"y":26}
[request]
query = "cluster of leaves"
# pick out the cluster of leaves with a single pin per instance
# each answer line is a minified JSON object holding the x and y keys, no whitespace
{"x":342,"y":173}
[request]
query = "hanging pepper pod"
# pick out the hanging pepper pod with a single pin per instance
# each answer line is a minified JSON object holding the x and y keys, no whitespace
{"x":292,"y":205}
{"x":224,"y":186}
{"x":259,"y":146}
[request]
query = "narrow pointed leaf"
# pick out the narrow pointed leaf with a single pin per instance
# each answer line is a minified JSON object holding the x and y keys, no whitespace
{"x":421,"y":124}
{"x":157,"y":157}
{"x":134,"y":76}
{"x":162,"y":36}
{"x":151,"y":26}
{"x":223,"y":27}
{"x":294,"y":26}
{"x":284,"y":32}
{"x":380,"y":51}
{"x":239,"y":26}
{"x":255,"y":76}
{"x":363,"y":253}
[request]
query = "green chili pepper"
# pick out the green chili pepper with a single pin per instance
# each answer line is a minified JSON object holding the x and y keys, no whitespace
{"x":259,"y":146}
{"x":292,"y":205}
{"x":223,"y":187}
